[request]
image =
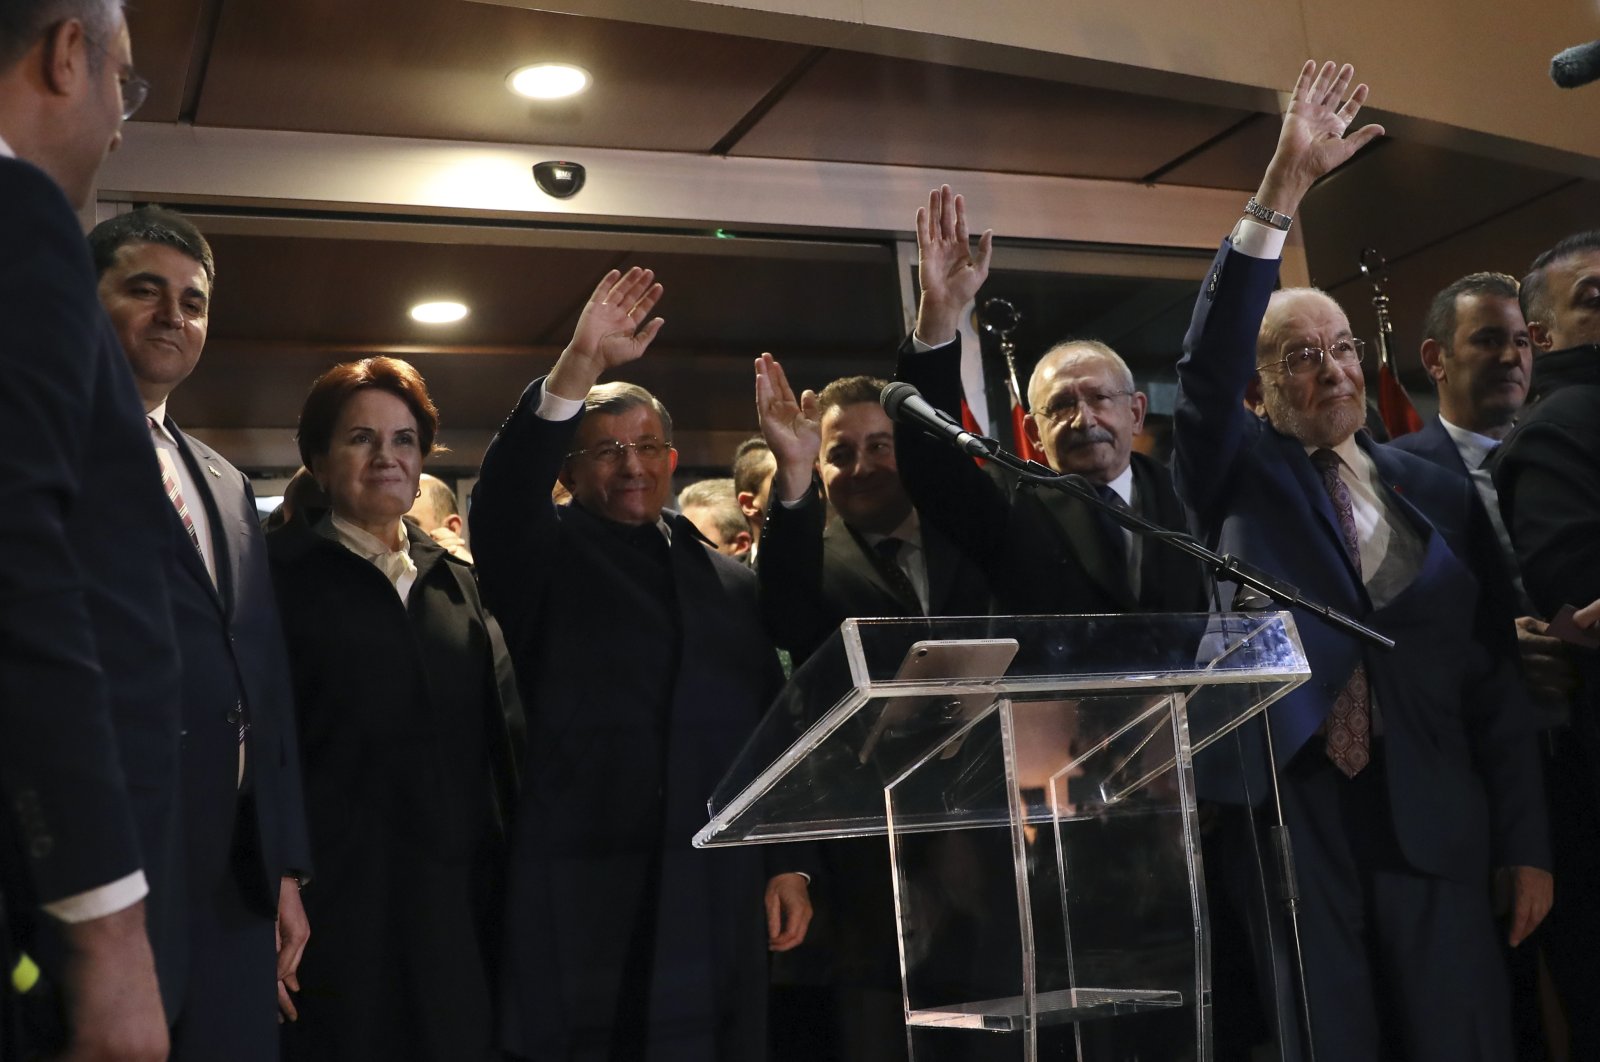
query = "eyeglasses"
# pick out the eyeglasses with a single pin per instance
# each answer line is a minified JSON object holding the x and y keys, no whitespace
{"x":610,"y":452}
{"x":1063,"y":406}
{"x":135,"y":89}
{"x":1309,"y":359}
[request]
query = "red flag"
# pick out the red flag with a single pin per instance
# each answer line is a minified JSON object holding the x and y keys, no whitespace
{"x":1400,"y":417}
{"x":1024,"y":445}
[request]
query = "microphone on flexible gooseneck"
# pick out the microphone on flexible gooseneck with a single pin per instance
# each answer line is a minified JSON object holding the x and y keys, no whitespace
{"x":906,"y":405}
{"x":1576,"y":66}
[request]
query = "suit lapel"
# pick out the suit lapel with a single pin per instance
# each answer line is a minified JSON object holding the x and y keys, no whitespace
{"x":841,"y":545}
{"x":942,"y":559}
{"x":1085,"y":540}
{"x":208,"y":482}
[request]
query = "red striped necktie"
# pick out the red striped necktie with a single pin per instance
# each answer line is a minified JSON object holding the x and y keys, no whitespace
{"x":175,"y":496}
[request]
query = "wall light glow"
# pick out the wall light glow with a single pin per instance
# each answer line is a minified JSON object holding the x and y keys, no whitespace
{"x":548,"y":81}
{"x":438,"y":312}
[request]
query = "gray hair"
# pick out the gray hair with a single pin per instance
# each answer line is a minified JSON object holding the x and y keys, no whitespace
{"x":718,"y":497}
{"x":24,"y":21}
{"x":619,"y":397}
{"x":1070,"y":350}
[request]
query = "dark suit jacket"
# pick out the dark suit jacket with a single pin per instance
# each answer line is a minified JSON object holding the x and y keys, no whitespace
{"x":89,"y":681}
{"x":234,"y":665}
{"x":813,"y":577}
{"x":641,"y":685}
{"x":1042,"y":550}
{"x":1548,"y":476}
{"x":1462,"y":771}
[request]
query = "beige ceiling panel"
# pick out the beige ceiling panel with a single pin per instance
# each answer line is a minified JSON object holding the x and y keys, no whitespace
{"x":438,"y":70}
{"x":854,"y":107}
{"x":1402,"y":197}
{"x":1474,"y":64}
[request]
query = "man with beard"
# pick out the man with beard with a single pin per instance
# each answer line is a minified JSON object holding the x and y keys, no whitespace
{"x":1043,"y":551}
{"x":1406,"y":775}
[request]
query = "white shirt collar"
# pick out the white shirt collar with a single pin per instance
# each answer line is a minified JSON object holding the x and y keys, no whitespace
{"x":909,"y":531}
{"x":5,"y":149}
{"x":1123,"y":485}
{"x":1472,"y":446}
{"x":159,"y":415}
{"x":368,"y":545}
{"x":1349,"y":452}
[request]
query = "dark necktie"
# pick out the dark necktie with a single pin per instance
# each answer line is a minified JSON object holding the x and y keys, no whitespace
{"x":1488,"y":456}
{"x":1116,"y":539}
{"x":648,"y":540}
{"x":1350,"y":722}
{"x":888,"y":551}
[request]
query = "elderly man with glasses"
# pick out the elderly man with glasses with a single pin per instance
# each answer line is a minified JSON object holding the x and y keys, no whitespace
{"x":642,"y":660}
{"x":1042,"y":551}
{"x":1408,"y":776}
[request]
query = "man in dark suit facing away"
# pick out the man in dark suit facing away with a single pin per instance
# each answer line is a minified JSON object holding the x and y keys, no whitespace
{"x":1043,"y":551}
{"x":245,"y":843}
{"x":1409,"y":776}
{"x":90,"y":838}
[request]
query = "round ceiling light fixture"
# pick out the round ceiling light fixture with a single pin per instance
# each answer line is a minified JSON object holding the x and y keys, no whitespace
{"x":438,"y":312}
{"x":548,"y":81}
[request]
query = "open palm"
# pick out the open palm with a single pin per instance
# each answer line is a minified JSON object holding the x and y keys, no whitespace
{"x":609,"y":329}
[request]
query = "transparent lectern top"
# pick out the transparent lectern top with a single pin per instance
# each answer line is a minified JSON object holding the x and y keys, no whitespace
{"x":883,"y":696}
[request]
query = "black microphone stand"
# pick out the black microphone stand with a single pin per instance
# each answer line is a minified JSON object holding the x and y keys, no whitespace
{"x":1223,"y":566}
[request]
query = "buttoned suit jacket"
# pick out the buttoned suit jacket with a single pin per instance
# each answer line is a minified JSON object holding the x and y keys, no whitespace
{"x":1462,"y":769}
{"x":1042,"y":551}
{"x":89,"y":669}
{"x":234,"y":668}
{"x":637,"y":704}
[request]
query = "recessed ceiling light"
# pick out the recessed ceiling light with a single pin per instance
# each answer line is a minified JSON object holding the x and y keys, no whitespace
{"x":438,"y":312}
{"x":548,"y":81}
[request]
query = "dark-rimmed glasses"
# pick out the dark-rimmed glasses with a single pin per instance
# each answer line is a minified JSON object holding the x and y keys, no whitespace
{"x":1309,"y":359}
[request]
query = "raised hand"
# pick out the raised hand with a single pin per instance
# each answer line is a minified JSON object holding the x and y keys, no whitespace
{"x":1312,"y":142}
{"x":950,"y":273}
{"x":791,"y":427}
{"x":609,"y":331}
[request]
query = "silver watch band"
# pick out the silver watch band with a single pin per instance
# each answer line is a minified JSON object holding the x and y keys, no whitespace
{"x":1268,"y":216}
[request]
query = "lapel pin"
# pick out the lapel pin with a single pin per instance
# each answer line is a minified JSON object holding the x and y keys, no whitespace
{"x":213,"y":470}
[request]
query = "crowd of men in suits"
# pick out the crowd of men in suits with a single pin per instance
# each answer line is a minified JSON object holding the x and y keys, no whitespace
{"x":153,"y":821}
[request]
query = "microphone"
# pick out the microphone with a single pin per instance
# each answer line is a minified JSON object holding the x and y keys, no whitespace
{"x":905,"y":404}
{"x":1576,"y":66}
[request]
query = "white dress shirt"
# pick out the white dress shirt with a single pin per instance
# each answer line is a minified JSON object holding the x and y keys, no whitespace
{"x":911,"y":559}
{"x":393,"y":561}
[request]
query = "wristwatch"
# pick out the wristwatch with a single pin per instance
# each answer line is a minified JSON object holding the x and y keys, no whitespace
{"x":1268,"y":216}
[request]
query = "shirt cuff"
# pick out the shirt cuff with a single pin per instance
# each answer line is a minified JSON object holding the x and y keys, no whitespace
{"x":920,"y":347}
{"x":554,"y":407}
{"x":105,"y":900}
{"x":1253,"y":238}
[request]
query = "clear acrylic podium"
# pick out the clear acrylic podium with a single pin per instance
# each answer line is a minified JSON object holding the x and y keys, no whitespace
{"x":1033,"y":776}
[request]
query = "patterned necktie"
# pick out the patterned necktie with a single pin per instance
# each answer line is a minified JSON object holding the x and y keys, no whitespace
{"x":888,"y":551}
{"x":1350,"y":722}
{"x":175,"y":496}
